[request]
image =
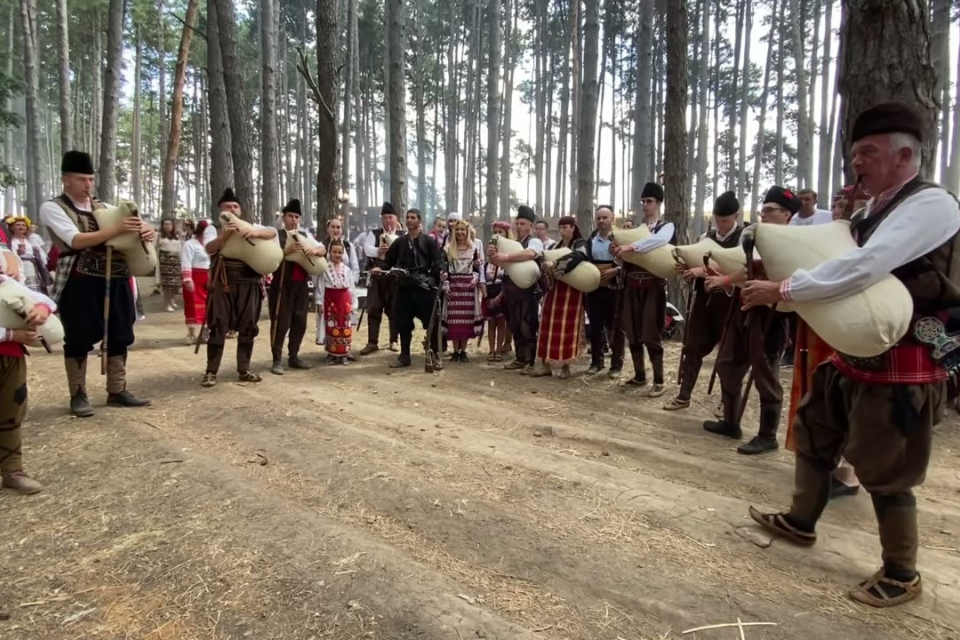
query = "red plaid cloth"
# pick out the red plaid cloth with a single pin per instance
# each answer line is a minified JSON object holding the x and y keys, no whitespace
{"x":560,"y":324}
{"x":903,"y":364}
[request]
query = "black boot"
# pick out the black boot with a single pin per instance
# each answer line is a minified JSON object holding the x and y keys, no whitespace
{"x":77,"y":382}
{"x":404,"y":359}
{"x":766,"y":438}
{"x":117,"y":394}
{"x":723,"y":428}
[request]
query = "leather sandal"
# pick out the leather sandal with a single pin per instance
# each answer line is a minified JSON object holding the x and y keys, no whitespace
{"x":881,"y":592}
{"x":777,"y":524}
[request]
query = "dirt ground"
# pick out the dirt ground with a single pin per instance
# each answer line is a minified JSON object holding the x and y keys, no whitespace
{"x":359,"y":502}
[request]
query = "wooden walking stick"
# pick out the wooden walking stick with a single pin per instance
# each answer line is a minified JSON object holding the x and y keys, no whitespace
{"x":276,"y":310}
{"x":106,"y":312}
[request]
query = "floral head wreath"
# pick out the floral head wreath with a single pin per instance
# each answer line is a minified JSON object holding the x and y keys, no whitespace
{"x":12,"y":220}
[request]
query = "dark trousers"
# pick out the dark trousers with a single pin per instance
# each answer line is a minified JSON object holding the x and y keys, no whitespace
{"x":522,"y":306}
{"x":380,"y":301}
{"x":291,"y":316}
{"x":81,"y":311}
{"x":415,"y":303}
{"x":703,"y":332}
{"x":602,"y":309}
{"x":746,"y":347}
{"x":889,"y":448}
{"x":235,"y":310}
{"x":644,"y":311}
{"x":13,"y":408}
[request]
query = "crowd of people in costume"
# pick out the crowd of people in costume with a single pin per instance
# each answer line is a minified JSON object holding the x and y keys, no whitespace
{"x":851,"y":420}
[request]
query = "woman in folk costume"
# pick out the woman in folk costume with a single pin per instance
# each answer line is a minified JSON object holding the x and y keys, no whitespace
{"x":491,"y":286}
{"x":561,"y":322}
{"x":462,"y":319}
{"x":339,"y":300}
{"x":334,"y":233}
{"x":195,"y":273}
{"x":13,"y":378}
{"x":169,"y":245}
{"x":29,"y":248}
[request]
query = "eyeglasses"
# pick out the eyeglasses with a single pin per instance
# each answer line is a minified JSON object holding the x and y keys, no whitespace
{"x":766,"y":211}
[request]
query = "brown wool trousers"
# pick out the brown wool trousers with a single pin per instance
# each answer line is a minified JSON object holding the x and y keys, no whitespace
{"x":746,"y":347}
{"x":885,"y":432}
{"x":13,"y":408}
{"x":643,"y":314}
{"x":703,"y":332}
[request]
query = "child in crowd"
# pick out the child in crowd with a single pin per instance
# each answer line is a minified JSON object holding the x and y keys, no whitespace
{"x":339,"y":300}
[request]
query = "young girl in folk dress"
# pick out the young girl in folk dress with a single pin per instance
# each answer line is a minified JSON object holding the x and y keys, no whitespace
{"x":561,"y":321}
{"x":462,"y":319}
{"x":339,"y":300}
{"x":169,"y":245}
{"x":491,"y":286}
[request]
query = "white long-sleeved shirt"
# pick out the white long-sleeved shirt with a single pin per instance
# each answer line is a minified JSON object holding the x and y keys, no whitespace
{"x":36,"y":296}
{"x":169,"y":245}
{"x":920,"y":223}
{"x":657,"y":240}
{"x":536,"y":246}
{"x":194,"y":256}
{"x":59,"y":223}
{"x":370,"y":248}
{"x":340,"y":277}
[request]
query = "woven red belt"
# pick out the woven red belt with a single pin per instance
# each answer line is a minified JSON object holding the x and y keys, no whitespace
{"x":903,"y":364}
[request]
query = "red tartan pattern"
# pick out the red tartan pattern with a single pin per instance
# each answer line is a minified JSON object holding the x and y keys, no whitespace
{"x":905,"y":364}
{"x":817,"y":352}
{"x":560,"y":324}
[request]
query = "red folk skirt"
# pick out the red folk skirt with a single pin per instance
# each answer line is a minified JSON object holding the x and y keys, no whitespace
{"x":561,"y":323}
{"x":462,"y":317}
{"x":195,"y":302}
{"x":817,"y":352}
{"x":337,"y":308}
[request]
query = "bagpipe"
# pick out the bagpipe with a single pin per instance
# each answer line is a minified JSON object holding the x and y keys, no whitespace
{"x":263,"y":255}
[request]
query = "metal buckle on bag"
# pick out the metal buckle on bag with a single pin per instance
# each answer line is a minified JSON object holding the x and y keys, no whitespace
{"x":946,"y":348}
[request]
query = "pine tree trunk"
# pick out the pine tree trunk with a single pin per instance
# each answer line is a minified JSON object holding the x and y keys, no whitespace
{"x":419,"y":100}
{"x":236,"y":109}
{"x":826,"y":119}
{"x":716,"y":101}
{"x":642,"y":140}
{"x":940,"y":51}
{"x":564,"y":125}
{"x":702,"y":129}
{"x":360,"y":185}
{"x":269,"y":162}
{"x":778,"y":166}
{"x":63,"y":67}
{"x":96,"y":98}
{"x":762,"y":121}
{"x":540,"y":79}
{"x":135,"y":156}
{"x":586,"y":140}
{"x":169,"y":200}
{"x":510,"y":19}
{"x":107,"y":187}
{"x":734,"y":97}
{"x":576,"y":99}
{"x":28,"y":27}
{"x":451,"y":102}
{"x":885,"y":56}
{"x":548,"y":135}
{"x":601,"y":84}
{"x":162,"y":76}
{"x":397,"y":104}
{"x":744,"y":102}
{"x":221,"y":158}
{"x":804,"y":173}
{"x":493,"y":118}
{"x":328,"y":156}
{"x":953,"y":174}
{"x":675,"y":126}
{"x":9,"y":203}
{"x":348,"y":95}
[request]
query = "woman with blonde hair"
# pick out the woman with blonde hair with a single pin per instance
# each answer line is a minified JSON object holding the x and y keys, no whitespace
{"x":29,"y":248}
{"x":460,"y":279}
